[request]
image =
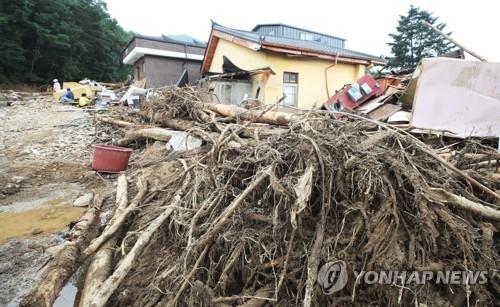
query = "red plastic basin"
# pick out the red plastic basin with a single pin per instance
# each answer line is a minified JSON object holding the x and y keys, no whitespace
{"x":110,"y":159}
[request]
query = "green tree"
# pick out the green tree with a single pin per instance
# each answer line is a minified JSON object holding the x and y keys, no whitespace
{"x":12,"y":15}
{"x":67,"y":39}
{"x":414,"y":41}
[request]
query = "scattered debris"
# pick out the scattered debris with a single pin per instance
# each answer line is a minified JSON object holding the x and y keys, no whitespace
{"x":374,"y":98}
{"x":269,"y":197}
{"x":467,"y":92}
{"x":132,"y":96}
{"x":183,"y":141}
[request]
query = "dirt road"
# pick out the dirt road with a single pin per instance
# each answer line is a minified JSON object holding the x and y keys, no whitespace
{"x":45,"y":154}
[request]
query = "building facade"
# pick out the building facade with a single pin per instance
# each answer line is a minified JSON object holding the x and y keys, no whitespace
{"x":308,"y":66}
{"x":162,"y":60}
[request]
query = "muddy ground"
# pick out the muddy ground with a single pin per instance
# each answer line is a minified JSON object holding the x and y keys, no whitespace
{"x":45,"y":156}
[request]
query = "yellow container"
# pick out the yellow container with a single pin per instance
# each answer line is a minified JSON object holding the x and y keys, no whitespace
{"x":77,"y":90}
{"x":65,"y":85}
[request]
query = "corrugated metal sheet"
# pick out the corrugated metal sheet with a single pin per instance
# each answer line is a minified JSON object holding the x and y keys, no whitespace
{"x":295,"y":33}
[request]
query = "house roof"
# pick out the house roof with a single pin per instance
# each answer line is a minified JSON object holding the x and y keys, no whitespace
{"x":173,"y":39}
{"x":186,"y":39}
{"x":313,"y":46}
{"x":133,"y":55}
{"x":294,"y":27}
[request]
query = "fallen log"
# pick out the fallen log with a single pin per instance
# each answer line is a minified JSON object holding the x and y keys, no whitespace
{"x":269,"y":117}
{"x":109,"y":286}
{"x":464,"y":203}
{"x":139,"y":132}
{"x":114,"y":121}
{"x":116,"y":222}
{"x":100,"y":267}
{"x":164,"y":121}
{"x":154,"y":133}
{"x":64,"y":263}
{"x":485,"y":164}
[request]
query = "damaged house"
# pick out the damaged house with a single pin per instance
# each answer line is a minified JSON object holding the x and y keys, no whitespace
{"x":162,"y":60}
{"x":277,"y":59}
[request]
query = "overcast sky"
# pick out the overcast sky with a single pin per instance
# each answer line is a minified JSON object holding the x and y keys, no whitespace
{"x":364,"y":23}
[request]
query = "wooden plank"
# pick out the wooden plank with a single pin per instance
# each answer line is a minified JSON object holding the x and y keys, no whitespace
{"x":384,"y":111}
{"x":209,"y":53}
{"x":477,"y":56}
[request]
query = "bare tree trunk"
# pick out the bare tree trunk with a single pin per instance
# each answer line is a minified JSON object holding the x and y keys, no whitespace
{"x":111,"y":284}
{"x":269,"y":117}
{"x":64,"y":263}
{"x":465,"y":204}
{"x":116,"y":222}
{"x":113,"y":121}
{"x":154,"y":133}
{"x":100,"y":267}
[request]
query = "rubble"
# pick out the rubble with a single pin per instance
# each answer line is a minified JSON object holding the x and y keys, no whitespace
{"x":268,"y":198}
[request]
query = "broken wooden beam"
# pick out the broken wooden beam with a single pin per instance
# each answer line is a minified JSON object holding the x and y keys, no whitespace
{"x":459,"y":45}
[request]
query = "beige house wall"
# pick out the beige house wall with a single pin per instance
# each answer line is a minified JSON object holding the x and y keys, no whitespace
{"x":311,"y":84}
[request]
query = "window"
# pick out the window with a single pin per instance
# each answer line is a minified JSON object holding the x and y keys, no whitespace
{"x":290,"y":77}
{"x":306,"y":36}
{"x":290,"y":88}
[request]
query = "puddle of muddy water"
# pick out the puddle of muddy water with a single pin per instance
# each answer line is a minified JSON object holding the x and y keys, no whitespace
{"x":38,"y":211}
{"x":36,"y":221}
{"x":36,"y":197}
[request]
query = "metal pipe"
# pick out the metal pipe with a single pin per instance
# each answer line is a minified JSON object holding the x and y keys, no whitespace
{"x":326,"y":76}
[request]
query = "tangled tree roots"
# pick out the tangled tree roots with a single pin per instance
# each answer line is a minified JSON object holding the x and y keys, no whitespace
{"x":252,"y":219}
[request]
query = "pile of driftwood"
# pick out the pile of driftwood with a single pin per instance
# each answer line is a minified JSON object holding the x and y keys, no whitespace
{"x":250,"y":217}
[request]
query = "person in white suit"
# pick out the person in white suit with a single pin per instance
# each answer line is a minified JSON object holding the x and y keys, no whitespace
{"x":57,"y":85}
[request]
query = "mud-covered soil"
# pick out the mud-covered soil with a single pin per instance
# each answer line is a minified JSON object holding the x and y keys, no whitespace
{"x":45,"y":155}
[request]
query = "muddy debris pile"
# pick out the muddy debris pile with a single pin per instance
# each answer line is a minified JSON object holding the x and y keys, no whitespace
{"x":269,"y":200}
